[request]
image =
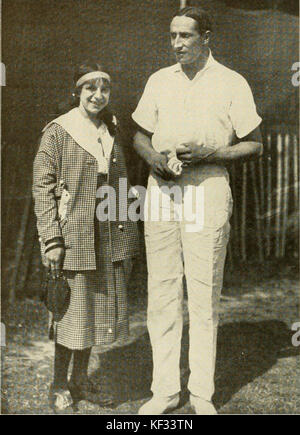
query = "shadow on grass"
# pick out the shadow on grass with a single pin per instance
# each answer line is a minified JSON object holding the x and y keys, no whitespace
{"x":245,"y":351}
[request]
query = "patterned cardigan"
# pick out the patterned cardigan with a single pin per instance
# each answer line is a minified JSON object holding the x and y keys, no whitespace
{"x":59,"y":162}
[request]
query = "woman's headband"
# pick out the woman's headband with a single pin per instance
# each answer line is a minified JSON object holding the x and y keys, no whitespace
{"x":92,"y":76}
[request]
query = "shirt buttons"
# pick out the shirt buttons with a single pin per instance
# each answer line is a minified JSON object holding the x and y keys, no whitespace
{"x":99,"y":140}
{"x":121,"y":228}
{"x":114,"y":160}
{"x":110,"y":330}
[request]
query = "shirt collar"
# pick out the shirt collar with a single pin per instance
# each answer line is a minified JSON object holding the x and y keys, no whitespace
{"x":210,"y":62}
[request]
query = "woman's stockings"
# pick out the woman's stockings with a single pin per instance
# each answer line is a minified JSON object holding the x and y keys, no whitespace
{"x":80,"y":366}
{"x":62,"y":360}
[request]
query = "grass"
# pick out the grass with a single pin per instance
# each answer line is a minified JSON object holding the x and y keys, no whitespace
{"x":257,"y":369}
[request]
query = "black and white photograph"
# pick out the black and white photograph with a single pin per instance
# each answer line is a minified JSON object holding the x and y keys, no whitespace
{"x":150,"y":210}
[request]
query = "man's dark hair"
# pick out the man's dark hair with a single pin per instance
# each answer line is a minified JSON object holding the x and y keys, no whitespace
{"x":202,"y":17}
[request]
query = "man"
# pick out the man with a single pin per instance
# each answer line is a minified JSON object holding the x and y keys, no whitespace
{"x":207,"y":113}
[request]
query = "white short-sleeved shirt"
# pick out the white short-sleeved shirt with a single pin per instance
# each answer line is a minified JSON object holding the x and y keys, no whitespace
{"x":210,"y":109}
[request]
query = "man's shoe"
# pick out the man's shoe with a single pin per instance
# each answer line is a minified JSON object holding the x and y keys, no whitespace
{"x":201,"y":406}
{"x":159,"y":405}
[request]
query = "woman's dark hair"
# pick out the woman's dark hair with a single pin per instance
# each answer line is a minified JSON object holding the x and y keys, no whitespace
{"x":106,"y":114}
{"x":202,"y":17}
{"x":85,"y":68}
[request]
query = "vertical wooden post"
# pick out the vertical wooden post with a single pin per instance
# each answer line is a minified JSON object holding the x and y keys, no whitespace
{"x":11,"y":189}
{"x":269,"y":196}
{"x":285,"y":190}
{"x":26,"y":257}
{"x":235,"y":238}
{"x":20,"y":247}
{"x":296,"y":186}
{"x":261,"y":185}
{"x":278,"y":195}
{"x":230,"y":256}
{"x":295,"y":175}
{"x":261,"y":196}
{"x":243,"y":213}
{"x":257,"y":213}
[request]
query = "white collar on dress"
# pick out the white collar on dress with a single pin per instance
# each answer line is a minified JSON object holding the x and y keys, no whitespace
{"x":81,"y":130}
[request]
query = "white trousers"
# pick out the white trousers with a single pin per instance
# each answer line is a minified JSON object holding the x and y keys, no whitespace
{"x":173,"y":252}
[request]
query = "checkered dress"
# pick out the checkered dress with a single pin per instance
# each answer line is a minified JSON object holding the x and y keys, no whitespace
{"x":94,"y":251}
{"x":97,"y":312}
{"x":61,"y":160}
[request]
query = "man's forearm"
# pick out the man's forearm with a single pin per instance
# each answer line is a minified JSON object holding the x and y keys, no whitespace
{"x":242,"y":151}
{"x":157,"y":161}
{"x":142,"y":145}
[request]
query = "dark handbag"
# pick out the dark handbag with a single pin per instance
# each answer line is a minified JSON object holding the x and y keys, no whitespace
{"x":56,"y":294}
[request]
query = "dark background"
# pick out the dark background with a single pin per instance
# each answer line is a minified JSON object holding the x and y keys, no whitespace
{"x":43,"y":40}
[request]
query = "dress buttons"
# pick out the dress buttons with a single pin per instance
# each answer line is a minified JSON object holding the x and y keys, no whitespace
{"x":99,"y":140}
{"x":114,"y":160}
{"x":121,"y":227}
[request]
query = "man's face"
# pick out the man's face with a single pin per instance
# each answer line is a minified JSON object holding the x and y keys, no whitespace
{"x":186,"y":41}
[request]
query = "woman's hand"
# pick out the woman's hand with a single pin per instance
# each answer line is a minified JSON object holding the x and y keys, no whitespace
{"x":54,"y":260}
{"x":191,"y":153}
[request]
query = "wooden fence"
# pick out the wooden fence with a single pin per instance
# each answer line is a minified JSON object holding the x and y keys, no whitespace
{"x":266,"y":200}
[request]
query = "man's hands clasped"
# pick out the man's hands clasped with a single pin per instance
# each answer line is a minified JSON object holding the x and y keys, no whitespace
{"x":191,"y":153}
{"x":159,"y":165}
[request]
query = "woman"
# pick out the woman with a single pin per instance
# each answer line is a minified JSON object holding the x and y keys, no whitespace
{"x":80,"y":154}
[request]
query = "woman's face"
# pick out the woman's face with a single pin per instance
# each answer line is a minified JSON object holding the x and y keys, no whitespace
{"x":94,"y":96}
